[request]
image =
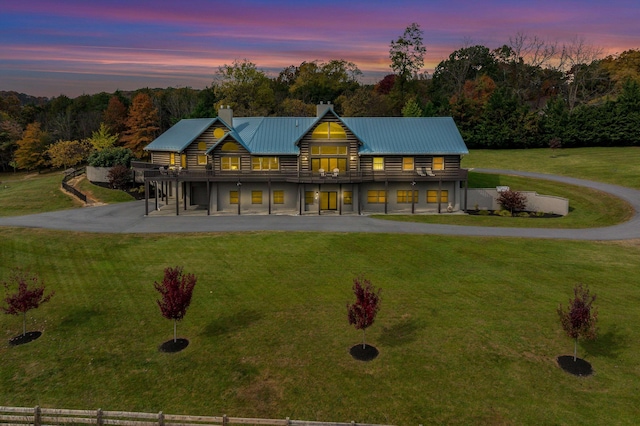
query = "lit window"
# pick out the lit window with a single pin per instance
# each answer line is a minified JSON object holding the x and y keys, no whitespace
{"x":183,"y":161}
{"x":202,"y":160}
{"x":202,"y":146}
{"x":405,"y":196}
{"x":278,"y":197}
{"x":230,"y":163}
{"x":329,"y":150}
{"x":378,"y":163}
{"x":172,"y":159}
{"x":218,"y":133}
{"x":347,"y":197}
{"x":230,"y":146}
{"x":328,"y":164}
{"x":329,"y":131}
{"x":264,"y":163}
{"x":233,"y":197}
{"x":376,"y":197}
{"x":432,"y":196}
{"x":407,"y":163}
{"x":308,"y":197}
{"x":438,"y":163}
{"x":256,"y":197}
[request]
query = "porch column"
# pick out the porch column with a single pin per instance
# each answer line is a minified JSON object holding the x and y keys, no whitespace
{"x":177,"y":197}
{"x":386,"y":195}
{"x":208,"y":197}
{"x":413,"y":198}
{"x":146,"y":197}
{"x":239,"y":184}
{"x":439,"y":194}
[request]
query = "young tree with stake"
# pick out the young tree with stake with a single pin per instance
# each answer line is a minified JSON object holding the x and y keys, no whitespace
{"x":176,"y":290}
{"x":363,"y":312}
{"x":579,"y":319}
{"x":28,"y":294}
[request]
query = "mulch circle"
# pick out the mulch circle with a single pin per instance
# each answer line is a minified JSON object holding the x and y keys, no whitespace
{"x":25,"y":338}
{"x":173,"y":346}
{"x":366,"y":353}
{"x":579,"y":367}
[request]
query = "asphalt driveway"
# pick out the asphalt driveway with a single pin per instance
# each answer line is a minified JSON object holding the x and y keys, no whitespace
{"x":129,"y":218}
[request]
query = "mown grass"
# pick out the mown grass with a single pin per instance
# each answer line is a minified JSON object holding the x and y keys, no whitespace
{"x":467,"y":334}
{"x":588,"y":208}
{"x":26,"y":193}
{"x":617,"y":165}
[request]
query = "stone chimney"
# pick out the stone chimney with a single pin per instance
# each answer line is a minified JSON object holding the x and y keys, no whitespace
{"x":322,"y":108}
{"x":226,"y":115}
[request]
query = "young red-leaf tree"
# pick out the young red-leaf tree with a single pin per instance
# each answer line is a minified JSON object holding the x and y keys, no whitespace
{"x":24,"y":292}
{"x":579,"y":319}
{"x":363,"y":312}
{"x":175,"y":289}
{"x":514,"y":201}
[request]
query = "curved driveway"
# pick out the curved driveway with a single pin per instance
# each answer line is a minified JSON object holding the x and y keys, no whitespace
{"x":129,"y":218}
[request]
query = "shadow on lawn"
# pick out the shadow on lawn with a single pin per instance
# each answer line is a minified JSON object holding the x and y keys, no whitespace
{"x":231,"y":323}
{"x":79,"y":316}
{"x":608,"y":345}
{"x":399,"y":334}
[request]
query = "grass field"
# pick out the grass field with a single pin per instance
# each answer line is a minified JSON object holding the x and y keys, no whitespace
{"x":617,"y":165}
{"x":467,"y":333}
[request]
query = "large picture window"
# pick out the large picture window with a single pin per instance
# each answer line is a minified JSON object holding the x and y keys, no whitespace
{"x":230,"y":163}
{"x":264,"y":163}
{"x":376,"y":196}
{"x":328,"y":164}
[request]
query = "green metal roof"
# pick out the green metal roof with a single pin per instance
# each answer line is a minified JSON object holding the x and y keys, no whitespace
{"x":279,"y":135}
{"x":180,"y":135}
{"x":407,"y":135}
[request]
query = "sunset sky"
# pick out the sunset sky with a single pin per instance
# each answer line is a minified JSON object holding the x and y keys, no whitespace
{"x":71,"y":47}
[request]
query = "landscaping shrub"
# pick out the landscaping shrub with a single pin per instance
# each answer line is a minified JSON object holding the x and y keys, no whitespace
{"x":110,"y":157}
{"x":119,"y":177}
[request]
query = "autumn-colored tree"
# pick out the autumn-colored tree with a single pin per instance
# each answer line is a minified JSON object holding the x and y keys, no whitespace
{"x":68,"y":153}
{"x":580,"y":317}
{"x":115,"y":116}
{"x":142,"y":125}
{"x":31,"y":152}
{"x":514,"y":201}
{"x":102,"y":138}
{"x":363,"y":312}
{"x":24,"y":292}
{"x":176,"y":290}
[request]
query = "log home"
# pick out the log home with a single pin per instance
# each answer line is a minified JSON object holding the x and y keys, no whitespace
{"x":307,"y":165}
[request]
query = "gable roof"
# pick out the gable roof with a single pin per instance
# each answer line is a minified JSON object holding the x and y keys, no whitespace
{"x":280,"y":135}
{"x":180,"y":135}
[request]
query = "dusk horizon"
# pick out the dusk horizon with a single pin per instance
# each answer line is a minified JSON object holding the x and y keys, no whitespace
{"x":73,"y":47}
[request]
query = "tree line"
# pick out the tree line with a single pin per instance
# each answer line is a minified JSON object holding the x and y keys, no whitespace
{"x":528,"y":93}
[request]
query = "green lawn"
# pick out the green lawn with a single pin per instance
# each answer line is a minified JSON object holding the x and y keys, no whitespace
{"x":467,"y":333}
{"x":620,"y":166}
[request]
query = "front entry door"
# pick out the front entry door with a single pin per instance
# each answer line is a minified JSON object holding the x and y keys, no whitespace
{"x":329,"y":200}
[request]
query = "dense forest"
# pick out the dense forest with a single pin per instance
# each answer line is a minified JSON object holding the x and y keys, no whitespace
{"x":527,"y":93}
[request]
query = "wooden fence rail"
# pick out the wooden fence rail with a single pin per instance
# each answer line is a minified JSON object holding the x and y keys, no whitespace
{"x":37,"y":416}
